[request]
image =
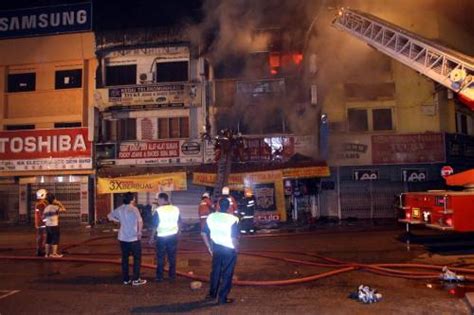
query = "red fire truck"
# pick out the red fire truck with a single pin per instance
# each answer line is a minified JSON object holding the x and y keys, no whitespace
{"x":442,"y":209}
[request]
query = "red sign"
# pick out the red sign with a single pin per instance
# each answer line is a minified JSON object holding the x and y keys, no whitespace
{"x":410,"y":148}
{"x":446,"y":171}
{"x":46,"y":143}
{"x":149,"y":150}
{"x":268,"y":149}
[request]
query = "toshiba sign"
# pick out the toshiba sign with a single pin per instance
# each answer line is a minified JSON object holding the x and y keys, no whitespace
{"x":45,"y":149}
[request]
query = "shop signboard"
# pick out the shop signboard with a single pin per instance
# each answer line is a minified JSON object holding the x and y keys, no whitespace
{"x":459,"y":149}
{"x":408,"y":148}
{"x":368,"y":174}
{"x":158,"y":152}
{"x":143,"y":183}
{"x":278,"y":148}
{"x":414,"y":175}
{"x":149,"y":96}
{"x":350,"y":150}
{"x":45,"y":149}
{"x":49,"y":20}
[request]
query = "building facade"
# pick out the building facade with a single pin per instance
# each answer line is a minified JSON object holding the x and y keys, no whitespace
{"x":391,"y":129}
{"x":152,"y":99}
{"x":47,"y":77}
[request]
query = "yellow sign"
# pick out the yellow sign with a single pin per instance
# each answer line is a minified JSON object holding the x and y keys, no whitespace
{"x":416,"y":213}
{"x":143,"y":183}
{"x":302,"y":172}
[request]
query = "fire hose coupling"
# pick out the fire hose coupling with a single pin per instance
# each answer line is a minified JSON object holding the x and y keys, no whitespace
{"x":450,"y":276}
{"x":366,"y":295}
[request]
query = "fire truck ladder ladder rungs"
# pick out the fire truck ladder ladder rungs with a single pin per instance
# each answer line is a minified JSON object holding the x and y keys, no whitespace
{"x":408,"y":48}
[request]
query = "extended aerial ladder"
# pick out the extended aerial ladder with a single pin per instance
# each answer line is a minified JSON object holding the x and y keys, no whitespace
{"x":445,"y":66}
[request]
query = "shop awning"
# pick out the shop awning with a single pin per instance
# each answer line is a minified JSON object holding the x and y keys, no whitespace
{"x":239,"y":180}
{"x":465,"y":178}
{"x":164,"y":182}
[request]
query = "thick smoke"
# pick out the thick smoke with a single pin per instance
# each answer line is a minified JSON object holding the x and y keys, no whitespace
{"x":232,"y":29}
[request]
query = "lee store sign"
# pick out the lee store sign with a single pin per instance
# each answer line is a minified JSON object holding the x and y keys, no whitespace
{"x":46,"y":149}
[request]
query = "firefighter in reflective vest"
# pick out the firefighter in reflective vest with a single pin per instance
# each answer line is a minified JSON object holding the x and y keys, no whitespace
{"x":247,"y":212}
{"x":40,"y":227}
{"x":166,"y":219}
{"x":233,"y":206}
{"x":220,"y":234}
{"x":205,"y":208}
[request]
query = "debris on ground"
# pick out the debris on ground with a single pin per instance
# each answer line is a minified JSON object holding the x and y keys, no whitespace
{"x":366,"y":295}
{"x":450,"y":276}
{"x":195,"y":285}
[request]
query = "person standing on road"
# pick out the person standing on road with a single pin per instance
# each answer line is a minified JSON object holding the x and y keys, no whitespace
{"x":165,"y":235}
{"x":205,"y":208}
{"x":40,"y":205}
{"x":220,"y":234}
{"x":129,"y":236}
{"x":51,"y":221}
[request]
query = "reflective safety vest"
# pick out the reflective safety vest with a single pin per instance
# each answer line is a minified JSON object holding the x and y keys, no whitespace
{"x":220,"y":225}
{"x":168,"y":220}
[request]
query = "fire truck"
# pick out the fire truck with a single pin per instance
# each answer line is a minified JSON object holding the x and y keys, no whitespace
{"x":441,"y":209}
{"x":438,"y":209}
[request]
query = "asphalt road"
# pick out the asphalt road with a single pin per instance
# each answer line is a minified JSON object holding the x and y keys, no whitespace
{"x":60,"y":287}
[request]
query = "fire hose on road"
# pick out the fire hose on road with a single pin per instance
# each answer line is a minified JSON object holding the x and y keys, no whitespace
{"x":339,"y":266}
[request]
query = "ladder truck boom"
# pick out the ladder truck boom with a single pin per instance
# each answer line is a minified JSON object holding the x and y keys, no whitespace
{"x":443,"y":65}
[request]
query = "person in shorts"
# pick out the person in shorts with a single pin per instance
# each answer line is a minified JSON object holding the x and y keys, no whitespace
{"x":51,"y":221}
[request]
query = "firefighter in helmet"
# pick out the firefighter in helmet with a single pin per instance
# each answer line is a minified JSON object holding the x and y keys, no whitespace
{"x":205,"y":208}
{"x":247,"y":212}
{"x":233,"y":207}
{"x":40,"y":205}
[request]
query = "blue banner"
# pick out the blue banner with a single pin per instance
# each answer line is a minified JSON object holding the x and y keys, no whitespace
{"x":46,"y":20}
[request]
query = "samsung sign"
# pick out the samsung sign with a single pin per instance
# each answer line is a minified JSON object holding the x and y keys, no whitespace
{"x":46,"y":20}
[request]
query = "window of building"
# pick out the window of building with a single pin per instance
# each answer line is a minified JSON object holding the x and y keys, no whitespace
{"x":463,"y":123}
{"x":121,"y":75}
{"x":19,"y":127}
{"x":377,"y":119}
{"x":67,"y":125}
{"x":382,"y":119}
{"x":68,"y":79}
{"x":173,"y":128}
{"x":127,"y":129}
{"x":358,"y":119}
{"x":21,"y":82}
{"x":108,"y":131}
{"x":172,"y":71}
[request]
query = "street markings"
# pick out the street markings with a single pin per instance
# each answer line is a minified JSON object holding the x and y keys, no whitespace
{"x":6,"y":293}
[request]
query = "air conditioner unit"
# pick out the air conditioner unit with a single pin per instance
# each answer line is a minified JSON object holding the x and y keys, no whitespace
{"x":146,"y":77}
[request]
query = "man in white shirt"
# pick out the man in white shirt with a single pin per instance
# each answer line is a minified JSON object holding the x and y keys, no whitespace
{"x":129,"y":236}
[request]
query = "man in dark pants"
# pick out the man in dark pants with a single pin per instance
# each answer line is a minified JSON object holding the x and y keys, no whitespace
{"x":220,"y":235}
{"x":130,"y":234}
{"x":165,"y":232}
